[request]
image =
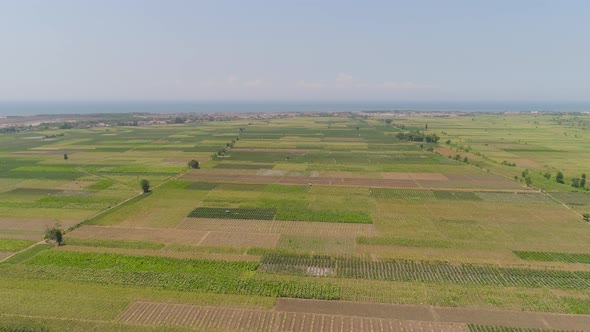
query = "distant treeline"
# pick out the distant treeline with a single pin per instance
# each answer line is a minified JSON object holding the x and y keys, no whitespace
{"x":416,"y":136}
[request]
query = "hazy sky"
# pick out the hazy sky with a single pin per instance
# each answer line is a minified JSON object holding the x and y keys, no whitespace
{"x":295,"y":50}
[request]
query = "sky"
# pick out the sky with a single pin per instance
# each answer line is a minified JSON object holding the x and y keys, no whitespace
{"x":280,"y":50}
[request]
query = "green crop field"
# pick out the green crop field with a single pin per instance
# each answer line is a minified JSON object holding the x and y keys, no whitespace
{"x":331,"y":207}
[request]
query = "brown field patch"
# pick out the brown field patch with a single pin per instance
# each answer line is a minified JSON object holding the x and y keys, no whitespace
{"x":269,"y":150}
{"x":240,"y":240}
{"x":410,"y":180}
{"x":438,"y":314}
{"x":163,"y":253}
{"x":22,"y":235}
{"x":76,"y":185}
{"x":527,"y":163}
{"x":229,"y":319}
{"x":429,"y":176}
{"x":39,"y":225}
{"x":4,"y":254}
{"x":297,"y":228}
{"x":139,"y":234}
{"x":396,"y":176}
{"x":414,"y":176}
{"x":185,"y":160}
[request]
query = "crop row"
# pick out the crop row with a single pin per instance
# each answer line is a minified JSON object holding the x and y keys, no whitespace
{"x":489,"y":328}
{"x":285,"y":213}
{"x":417,"y":195}
{"x":553,"y":256}
{"x":573,"y":198}
{"x":405,"y":194}
{"x":513,"y":197}
{"x":167,"y":273}
{"x":240,"y":213}
{"x":325,"y":216}
{"x":408,"y":270}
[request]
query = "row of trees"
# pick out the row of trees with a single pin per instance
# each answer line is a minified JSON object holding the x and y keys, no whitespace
{"x":416,"y":136}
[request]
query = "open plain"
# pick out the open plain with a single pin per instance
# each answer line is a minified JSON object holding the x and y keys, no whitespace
{"x":324,"y":222}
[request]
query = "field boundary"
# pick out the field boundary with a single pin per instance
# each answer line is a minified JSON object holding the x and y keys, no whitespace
{"x":520,"y":319}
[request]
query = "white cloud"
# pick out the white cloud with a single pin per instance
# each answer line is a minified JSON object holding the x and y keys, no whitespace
{"x":253,"y":83}
{"x":231,"y":80}
{"x":344,"y":78}
{"x":404,"y":85}
{"x":311,"y":85}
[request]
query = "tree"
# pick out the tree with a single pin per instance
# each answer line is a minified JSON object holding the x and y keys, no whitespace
{"x":576,"y":182}
{"x":583,"y":181}
{"x":145,"y":185}
{"x":66,"y":156}
{"x":193,"y":164}
{"x":55,"y":234}
{"x":528,"y":181}
{"x":559,"y":177}
{"x":586,"y":216}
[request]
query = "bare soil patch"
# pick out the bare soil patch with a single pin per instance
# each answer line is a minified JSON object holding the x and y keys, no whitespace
{"x":139,"y":234}
{"x":270,"y":150}
{"x":76,"y":185}
{"x":414,"y":176}
{"x":527,"y":163}
{"x":395,"y":180}
{"x":296,"y":228}
{"x":438,"y":314}
{"x":32,"y":224}
{"x":229,"y":319}
{"x":240,"y":240}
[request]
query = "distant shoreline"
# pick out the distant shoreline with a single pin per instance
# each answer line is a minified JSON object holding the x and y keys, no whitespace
{"x":15,"y":108}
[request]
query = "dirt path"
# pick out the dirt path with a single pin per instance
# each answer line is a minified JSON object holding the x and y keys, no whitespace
{"x":438,"y":314}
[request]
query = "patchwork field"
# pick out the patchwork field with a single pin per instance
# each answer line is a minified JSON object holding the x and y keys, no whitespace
{"x":299,"y":223}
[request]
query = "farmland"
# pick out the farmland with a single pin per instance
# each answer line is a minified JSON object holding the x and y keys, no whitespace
{"x":323,"y":222}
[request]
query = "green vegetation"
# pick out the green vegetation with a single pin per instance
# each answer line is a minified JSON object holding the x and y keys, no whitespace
{"x":423,"y":271}
{"x":28,"y":254}
{"x":14,"y":244}
{"x":553,"y":257}
{"x":115,"y":244}
{"x":223,"y":213}
{"x":488,"y":328}
{"x":145,"y":185}
{"x":332,"y":206}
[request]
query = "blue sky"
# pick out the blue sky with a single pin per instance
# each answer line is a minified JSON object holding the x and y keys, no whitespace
{"x":295,"y":50}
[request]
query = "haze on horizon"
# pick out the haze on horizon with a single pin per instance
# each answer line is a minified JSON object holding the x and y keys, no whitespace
{"x":294,"y":50}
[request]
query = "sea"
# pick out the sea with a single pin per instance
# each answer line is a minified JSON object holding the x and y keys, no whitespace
{"x":173,"y":107}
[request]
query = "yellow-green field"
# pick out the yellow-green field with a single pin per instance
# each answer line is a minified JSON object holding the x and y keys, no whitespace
{"x":327,"y":207}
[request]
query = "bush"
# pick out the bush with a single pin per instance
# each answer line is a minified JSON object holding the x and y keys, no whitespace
{"x":586,"y":216}
{"x":54,"y":234}
{"x":145,"y":185}
{"x":559,"y":177}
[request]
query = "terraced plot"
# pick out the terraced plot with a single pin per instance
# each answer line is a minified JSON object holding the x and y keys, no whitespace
{"x":228,"y":319}
{"x":402,"y":270}
{"x":299,"y":228}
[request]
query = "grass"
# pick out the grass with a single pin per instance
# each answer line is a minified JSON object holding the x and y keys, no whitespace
{"x":358,"y":217}
{"x":115,"y":244}
{"x":28,"y":254}
{"x":15,"y":244}
{"x":395,"y":234}
{"x":553,"y":257}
